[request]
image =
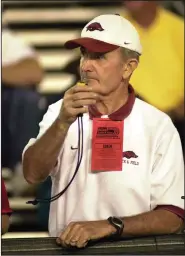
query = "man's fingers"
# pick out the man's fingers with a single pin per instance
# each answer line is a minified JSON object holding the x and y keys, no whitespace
{"x":70,"y":236}
{"x":77,"y":88}
{"x":81,"y":110}
{"x":77,"y":237}
{"x":76,"y":101}
{"x":82,"y":241}
{"x":73,"y":236}
{"x":85,"y":88}
{"x":58,"y":241}
{"x":74,"y":112}
{"x":64,"y":234}
{"x":81,"y":103}
{"x":84,"y":95}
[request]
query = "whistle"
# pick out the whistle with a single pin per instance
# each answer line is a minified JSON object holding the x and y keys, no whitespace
{"x":81,"y":83}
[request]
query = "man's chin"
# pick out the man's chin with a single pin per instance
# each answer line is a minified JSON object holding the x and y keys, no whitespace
{"x":92,"y":82}
{"x":97,"y":87}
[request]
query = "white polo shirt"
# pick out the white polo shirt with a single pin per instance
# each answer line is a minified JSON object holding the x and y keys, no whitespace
{"x":154,"y":178}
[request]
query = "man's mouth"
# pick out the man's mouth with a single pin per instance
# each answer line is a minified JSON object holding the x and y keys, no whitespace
{"x":91,"y":78}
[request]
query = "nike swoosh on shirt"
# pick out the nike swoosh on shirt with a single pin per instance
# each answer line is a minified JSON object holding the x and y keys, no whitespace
{"x":72,"y":148}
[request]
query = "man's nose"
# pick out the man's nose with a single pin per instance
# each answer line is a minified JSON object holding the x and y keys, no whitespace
{"x":86,"y":65}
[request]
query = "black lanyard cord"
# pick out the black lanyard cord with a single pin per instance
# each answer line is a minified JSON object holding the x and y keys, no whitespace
{"x":80,"y":154}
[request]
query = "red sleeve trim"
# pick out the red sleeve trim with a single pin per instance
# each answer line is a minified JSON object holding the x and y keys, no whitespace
{"x":172,"y":208}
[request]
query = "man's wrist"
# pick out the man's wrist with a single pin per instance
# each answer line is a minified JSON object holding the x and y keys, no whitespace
{"x":117,"y":223}
{"x":62,"y":126}
{"x":112,"y":229}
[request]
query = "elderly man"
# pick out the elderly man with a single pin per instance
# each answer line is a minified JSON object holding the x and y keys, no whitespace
{"x":130,"y":180}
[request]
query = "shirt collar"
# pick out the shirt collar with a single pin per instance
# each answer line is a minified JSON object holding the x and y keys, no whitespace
{"x":121,"y":113}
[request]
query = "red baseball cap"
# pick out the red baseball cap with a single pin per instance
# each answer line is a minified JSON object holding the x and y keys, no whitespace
{"x":106,"y":33}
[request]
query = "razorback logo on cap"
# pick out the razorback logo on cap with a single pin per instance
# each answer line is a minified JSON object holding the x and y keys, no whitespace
{"x":129,"y":154}
{"x":94,"y":26}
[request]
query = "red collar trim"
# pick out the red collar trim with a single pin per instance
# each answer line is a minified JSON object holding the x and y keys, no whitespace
{"x":121,"y":113}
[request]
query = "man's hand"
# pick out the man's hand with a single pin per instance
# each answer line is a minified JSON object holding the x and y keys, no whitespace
{"x":76,"y":101}
{"x":79,"y":233}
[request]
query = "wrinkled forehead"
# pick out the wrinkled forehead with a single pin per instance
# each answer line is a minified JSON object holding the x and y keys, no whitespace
{"x":85,"y":50}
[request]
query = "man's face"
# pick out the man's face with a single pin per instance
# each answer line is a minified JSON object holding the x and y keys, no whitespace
{"x":103,"y":71}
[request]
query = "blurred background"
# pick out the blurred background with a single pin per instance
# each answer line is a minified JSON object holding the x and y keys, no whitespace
{"x":36,"y":71}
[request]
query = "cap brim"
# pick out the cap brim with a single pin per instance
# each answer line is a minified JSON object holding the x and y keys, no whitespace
{"x":90,"y":44}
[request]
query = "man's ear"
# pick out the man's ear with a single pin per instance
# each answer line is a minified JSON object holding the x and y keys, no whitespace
{"x":129,"y":67}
